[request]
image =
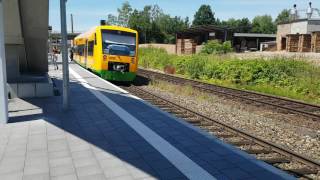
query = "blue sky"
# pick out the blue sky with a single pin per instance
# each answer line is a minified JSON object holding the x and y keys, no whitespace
{"x":87,"y":13}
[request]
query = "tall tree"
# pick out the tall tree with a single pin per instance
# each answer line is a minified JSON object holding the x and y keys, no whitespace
{"x":244,"y":25}
{"x":155,"y":26}
{"x":204,"y":16}
{"x":156,"y":12}
{"x":112,"y":20}
{"x":186,"y":22}
{"x":237,"y":25}
{"x":284,"y":16}
{"x":124,"y":14}
{"x":263,"y":24}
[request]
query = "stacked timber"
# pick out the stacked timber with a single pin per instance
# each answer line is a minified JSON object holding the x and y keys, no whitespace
{"x":293,"y":42}
{"x":189,"y":46}
{"x":180,"y":46}
{"x":315,"y":42}
{"x":304,"y":43}
{"x":186,"y":46}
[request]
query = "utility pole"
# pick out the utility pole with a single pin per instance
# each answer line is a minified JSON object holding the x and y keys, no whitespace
{"x":3,"y":73}
{"x":64,"y":50}
{"x":71,"y":15}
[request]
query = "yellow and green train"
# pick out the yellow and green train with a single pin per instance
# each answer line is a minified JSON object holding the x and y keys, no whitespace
{"x":110,"y":51}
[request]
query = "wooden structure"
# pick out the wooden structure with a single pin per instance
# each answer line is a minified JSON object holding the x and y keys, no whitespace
{"x":250,"y":41}
{"x":303,"y":42}
{"x":315,"y":42}
{"x":299,"y":35}
{"x":188,"y":40}
{"x":293,"y":42}
{"x":186,"y":46}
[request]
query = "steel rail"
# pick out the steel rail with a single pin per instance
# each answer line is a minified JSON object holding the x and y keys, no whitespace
{"x":241,"y":93}
{"x":274,"y":147}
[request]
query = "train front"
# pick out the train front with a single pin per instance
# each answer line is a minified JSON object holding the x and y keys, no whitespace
{"x":120,"y":54}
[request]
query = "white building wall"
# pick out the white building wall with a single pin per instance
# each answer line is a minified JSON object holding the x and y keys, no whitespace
{"x":313,"y":26}
{"x":299,"y":27}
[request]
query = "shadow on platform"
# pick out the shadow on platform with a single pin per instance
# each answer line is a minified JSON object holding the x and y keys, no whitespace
{"x":84,"y":121}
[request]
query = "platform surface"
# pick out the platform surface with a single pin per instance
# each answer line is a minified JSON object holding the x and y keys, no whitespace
{"x":109,"y":134}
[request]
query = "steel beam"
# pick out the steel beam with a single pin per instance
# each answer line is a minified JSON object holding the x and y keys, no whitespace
{"x":3,"y":73}
{"x":64,"y":50}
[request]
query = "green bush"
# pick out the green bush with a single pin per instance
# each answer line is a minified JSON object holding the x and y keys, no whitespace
{"x":215,"y":47}
{"x":278,"y":76}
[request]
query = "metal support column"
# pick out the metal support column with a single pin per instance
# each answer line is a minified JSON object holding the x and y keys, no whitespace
{"x":64,"y":50}
{"x":3,"y":73}
{"x":71,"y":23}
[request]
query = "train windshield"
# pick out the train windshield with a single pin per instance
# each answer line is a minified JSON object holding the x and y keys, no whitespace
{"x":119,"y":43}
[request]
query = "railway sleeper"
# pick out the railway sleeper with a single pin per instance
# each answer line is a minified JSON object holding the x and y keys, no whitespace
{"x":240,"y":143}
{"x":177,"y":112}
{"x":149,"y":99}
{"x":193,"y":121}
{"x":168,"y":109}
{"x":188,"y":118}
{"x":222,"y":135}
{"x":303,"y":171}
{"x":275,"y":160}
{"x":162,"y":106}
{"x":210,"y":128}
{"x":258,"y":151}
{"x":207,"y":124}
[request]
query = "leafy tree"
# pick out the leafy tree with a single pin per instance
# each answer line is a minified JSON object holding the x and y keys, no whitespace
{"x":284,"y":16}
{"x":156,"y":12}
{"x":140,"y":22}
{"x":216,"y":47}
{"x":186,"y":22}
{"x":112,"y":20}
{"x":124,"y":14}
{"x":245,"y":25}
{"x":237,"y":25}
{"x":263,"y":24}
{"x":204,"y":16}
{"x":155,"y":26}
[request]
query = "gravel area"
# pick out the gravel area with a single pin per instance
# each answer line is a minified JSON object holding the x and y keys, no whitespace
{"x":290,"y":131}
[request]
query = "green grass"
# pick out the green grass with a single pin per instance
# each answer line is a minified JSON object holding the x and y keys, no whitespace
{"x":296,"y":79}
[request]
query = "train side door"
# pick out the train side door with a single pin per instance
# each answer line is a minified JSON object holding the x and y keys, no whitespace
{"x":86,"y":53}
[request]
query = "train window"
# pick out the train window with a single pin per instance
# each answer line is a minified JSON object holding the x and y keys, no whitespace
{"x":90,"y":48}
{"x":95,"y":39}
{"x":119,"y":43}
{"x":80,"y":50}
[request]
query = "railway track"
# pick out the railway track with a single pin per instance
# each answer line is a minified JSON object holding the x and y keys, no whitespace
{"x":287,"y":160}
{"x":279,"y":103}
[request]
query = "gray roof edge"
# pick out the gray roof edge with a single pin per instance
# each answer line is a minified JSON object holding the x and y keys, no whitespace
{"x":254,"y":35}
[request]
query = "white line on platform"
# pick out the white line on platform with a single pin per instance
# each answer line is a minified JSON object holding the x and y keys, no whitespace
{"x":189,"y":168}
{"x":126,"y":93}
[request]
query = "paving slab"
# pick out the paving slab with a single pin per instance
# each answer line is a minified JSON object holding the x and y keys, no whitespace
{"x":109,"y":134}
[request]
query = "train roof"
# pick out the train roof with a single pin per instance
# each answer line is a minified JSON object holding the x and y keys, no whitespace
{"x":104,"y":27}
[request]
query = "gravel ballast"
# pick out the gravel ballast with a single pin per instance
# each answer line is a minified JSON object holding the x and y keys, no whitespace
{"x":296,"y":133}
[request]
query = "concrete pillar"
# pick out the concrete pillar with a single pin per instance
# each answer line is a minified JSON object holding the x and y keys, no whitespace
{"x":3,"y":74}
{"x":64,"y":50}
{"x":35,"y":19}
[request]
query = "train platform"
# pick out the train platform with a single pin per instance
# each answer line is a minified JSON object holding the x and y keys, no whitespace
{"x":110,"y":134}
